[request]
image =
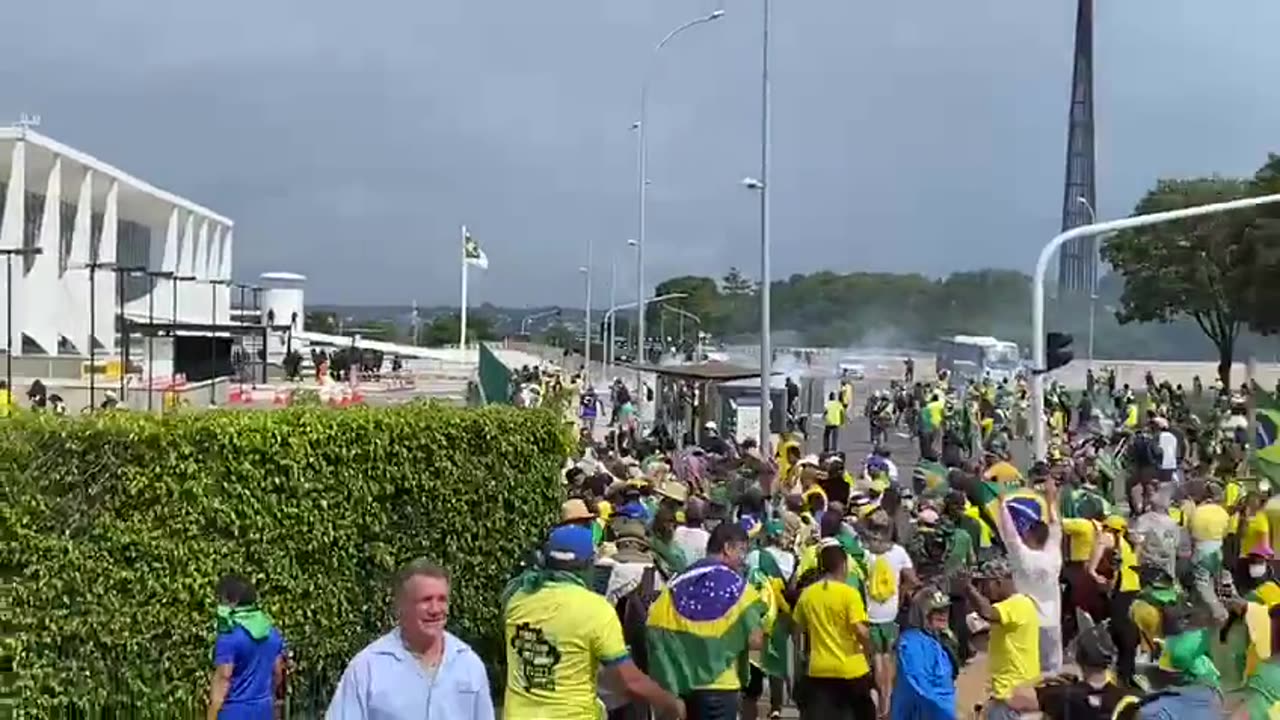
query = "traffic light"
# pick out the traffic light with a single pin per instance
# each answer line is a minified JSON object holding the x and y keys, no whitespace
{"x":1058,"y":350}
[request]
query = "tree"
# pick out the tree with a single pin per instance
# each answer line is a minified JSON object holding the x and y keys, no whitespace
{"x":1203,"y":267}
{"x":384,"y":330}
{"x":556,"y":335}
{"x":444,"y":329}
{"x":702,"y":298}
{"x":735,"y":283}
{"x":1266,"y":304}
{"x":321,"y":322}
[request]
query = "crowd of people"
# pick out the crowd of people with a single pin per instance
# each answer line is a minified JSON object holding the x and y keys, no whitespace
{"x":718,"y":581}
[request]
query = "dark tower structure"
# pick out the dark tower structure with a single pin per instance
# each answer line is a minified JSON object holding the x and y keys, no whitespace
{"x":1077,"y":269}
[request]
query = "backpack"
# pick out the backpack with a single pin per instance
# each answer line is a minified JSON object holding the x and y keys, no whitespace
{"x":633,"y":613}
{"x":882,"y":585}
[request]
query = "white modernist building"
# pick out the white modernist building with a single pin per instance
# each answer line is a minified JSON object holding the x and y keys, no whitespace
{"x":86,"y":217}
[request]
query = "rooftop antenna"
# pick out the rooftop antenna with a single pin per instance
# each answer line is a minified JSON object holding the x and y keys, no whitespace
{"x":27,"y":121}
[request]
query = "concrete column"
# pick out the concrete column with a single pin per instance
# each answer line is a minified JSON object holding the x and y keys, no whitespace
{"x":41,"y":294}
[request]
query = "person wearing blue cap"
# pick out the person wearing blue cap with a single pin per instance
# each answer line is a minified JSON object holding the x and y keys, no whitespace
{"x":559,"y":634}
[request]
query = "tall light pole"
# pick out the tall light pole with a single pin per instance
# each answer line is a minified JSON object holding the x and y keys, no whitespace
{"x":151,"y":332}
{"x":1093,"y":291}
{"x":586,"y":319}
{"x":642,"y":181}
{"x":122,"y":273}
{"x":8,"y":324}
{"x":761,"y":185}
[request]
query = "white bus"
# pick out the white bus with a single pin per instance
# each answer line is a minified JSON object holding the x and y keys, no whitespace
{"x":979,"y":356}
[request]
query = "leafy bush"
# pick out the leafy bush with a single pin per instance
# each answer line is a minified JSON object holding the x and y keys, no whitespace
{"x":116,"y":528}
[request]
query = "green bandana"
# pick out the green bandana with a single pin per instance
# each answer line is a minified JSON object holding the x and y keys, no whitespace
{"x":532,"y":580}
{"x":254,"y":621}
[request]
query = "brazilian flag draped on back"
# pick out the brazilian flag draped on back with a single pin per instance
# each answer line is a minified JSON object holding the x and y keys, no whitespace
{"x":771,"y":582}
{"x":699,"y":628}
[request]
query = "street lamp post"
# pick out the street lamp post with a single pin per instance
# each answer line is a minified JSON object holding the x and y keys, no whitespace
{"x":586,"y":321}
{"x":152,"y":277}
{"x":213,"y":341}
{"x":642,"y":182}
{"x":766,"y":150}
{"x":612,"y":313}
{"x":173,"y":324}
{"x":8,"y":286}
{"x":1093,"y":290}
{"x":611,"y":322}
{"x":121,"y":273}
{"x":1039,"y":349}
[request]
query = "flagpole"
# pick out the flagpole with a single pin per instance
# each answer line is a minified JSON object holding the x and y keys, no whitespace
{"x":1251,"y":412}
{"x":462,"y":315}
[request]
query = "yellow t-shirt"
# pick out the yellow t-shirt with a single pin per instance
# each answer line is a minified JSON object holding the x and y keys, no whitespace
{"x":1256,"y":532}
{"x":1014,"y":646}
{"x":1082,"y":533}
{"x":557,"y":638}
{"x":827,"y":611}
{"x":1003,"y":472}
{"x":1209,"y":521}
{"x":835,"y":413}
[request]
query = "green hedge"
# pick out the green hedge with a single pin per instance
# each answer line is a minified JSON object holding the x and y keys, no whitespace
{"x":116,"y":528}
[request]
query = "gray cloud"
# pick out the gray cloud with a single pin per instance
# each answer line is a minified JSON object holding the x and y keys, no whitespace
{"x":350,"y":142}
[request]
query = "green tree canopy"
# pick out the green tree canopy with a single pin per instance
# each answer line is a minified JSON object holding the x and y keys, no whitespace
{"x":1205,"y":268}
{"x":444,"y":329}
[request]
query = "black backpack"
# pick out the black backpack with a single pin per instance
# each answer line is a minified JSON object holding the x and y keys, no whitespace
{"x":633,"y":613}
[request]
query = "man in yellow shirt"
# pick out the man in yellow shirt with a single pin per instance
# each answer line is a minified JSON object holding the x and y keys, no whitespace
{"x":1014,"y":645}
{"x":837,"y":681}
{"x":559,"y":634}
{"x":1000,"y":470}
{"x":834,"y":414}
{"x":6,"y":400}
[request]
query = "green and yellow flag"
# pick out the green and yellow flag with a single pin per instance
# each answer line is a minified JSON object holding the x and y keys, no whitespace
{"x":700,"y":626}
{"x":1267,"y":456}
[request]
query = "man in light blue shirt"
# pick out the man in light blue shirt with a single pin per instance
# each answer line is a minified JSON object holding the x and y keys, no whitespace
{"x":417,"y":671}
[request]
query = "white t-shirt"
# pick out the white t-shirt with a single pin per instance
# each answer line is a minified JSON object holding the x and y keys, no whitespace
{"x":692,"y":541}
{"x":899,"y":560}
{"x":1036,"y":573}
{"x":1168,"y":450}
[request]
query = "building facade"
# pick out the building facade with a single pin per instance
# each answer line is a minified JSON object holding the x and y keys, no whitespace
{"x":106,"y":242}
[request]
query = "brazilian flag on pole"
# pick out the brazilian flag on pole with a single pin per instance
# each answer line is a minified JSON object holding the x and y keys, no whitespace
{"x":472,"y":254}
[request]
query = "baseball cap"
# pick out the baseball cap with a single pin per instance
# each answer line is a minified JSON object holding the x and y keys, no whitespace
{"x":570,"y":544}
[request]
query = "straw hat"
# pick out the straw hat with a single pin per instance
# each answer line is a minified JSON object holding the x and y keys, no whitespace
{"x":575,"y":510}
{"x":674,"y":490}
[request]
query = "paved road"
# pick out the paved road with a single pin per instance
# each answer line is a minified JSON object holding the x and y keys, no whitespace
{"x":855,"y":436}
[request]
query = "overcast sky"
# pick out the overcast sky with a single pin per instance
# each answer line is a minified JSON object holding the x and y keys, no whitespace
{"x":349,"y":141}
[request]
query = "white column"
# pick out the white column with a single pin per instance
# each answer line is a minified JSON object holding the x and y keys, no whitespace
{"x":200,"y":259}
{"x":104,"y":279}
{"x":186,"y":249}
{"x":169,"y":261}
{"x":41,"y":295}
{"x":15,"y":206}
{"x":11,"y":228}
{"x":74,"y":318}
{"x":224,"y":271}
